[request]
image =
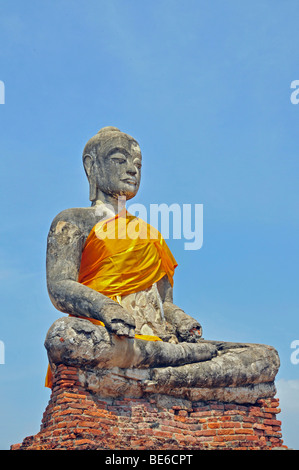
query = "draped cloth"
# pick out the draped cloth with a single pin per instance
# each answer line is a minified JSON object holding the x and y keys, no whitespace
{"x":123,"y":255}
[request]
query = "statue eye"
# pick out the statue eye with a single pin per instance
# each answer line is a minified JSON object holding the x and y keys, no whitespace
{"x":137,"y":163}
{"x":119,"y":159}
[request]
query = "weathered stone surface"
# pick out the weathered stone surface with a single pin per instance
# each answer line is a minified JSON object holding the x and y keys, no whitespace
{"x":76,"y":341}
{"x":243,"y":364}
{"x":147,"y":309}
{"x":206,"y":370}
{"x":136,"y":383}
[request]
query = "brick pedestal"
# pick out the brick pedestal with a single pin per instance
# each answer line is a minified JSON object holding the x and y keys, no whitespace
{"x":77,"y":419}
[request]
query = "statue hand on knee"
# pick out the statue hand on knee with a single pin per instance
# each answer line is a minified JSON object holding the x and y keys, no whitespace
{"x":187,"y":328}
{"x":118,"y":320}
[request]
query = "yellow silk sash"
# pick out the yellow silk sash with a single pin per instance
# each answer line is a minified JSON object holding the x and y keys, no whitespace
{"x":123,"y":255}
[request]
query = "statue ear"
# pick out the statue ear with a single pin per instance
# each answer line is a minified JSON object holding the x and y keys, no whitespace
{"x":88,"y":162}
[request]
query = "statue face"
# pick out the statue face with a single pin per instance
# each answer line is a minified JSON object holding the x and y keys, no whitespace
{"x":118,"y":168}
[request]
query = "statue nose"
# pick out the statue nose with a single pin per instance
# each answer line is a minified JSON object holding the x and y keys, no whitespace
{"x":131,"y":170}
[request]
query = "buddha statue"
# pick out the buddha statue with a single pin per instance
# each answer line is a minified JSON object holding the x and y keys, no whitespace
{"x":112,"y":273}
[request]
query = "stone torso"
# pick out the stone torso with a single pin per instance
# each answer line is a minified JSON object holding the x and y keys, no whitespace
{"x":147,"y":309}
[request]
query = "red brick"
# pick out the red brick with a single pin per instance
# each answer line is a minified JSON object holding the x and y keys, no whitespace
{"x":235,"y":437}
{"x":244,"y":431}
{"x":80,"y":442}
{"x":249,"y":419}
{"x":77,"y":396}
{"x":259,"y":426}
{"x":225,"y":431}
{"x":213,"y":425}
{"x":252,"y":438}
{"x":230,"y":424}
{"x":70,"y":411}
{"x":88,"y":424}
{"x":206,"y":432}
{"x":225,"y":418}
{"x":272,"y":422}
{"x":247,"y":425}
{"x":271,"y":409}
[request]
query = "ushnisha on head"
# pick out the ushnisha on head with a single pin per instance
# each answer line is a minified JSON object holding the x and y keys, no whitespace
{"x":112,"y":162}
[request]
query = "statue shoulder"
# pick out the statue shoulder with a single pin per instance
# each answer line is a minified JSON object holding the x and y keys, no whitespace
{"x":79,"y":218}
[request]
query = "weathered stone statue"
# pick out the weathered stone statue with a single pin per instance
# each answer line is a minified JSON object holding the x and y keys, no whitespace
{"x":123,"y":331}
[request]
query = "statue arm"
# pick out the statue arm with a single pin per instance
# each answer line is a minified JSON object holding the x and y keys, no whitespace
{"x":64,"y":251}
{"x":187,"y":328}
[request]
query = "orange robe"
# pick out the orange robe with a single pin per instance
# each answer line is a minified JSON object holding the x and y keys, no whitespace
{"x":123,"y":255}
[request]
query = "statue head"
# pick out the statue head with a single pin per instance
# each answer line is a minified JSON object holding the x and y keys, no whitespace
{"x":112,"y":163}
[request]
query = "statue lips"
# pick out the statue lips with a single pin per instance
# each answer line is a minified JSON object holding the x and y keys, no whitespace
{"x":131,"y":181}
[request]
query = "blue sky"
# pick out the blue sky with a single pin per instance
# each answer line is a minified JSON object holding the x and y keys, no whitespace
{"x":204,"y":87}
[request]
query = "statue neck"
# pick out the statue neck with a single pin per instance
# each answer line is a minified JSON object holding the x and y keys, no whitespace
{"x":115,"y":205}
